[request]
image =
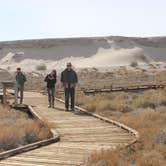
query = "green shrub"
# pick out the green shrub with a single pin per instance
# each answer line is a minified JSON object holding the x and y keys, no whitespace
{"x":134,"y":64}
{"x":41,"y":67}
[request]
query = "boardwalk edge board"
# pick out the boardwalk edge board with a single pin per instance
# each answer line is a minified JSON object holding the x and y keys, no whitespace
{"x":130,"y":130}
{"x":32,"y":146}
{"x":125,"y":88}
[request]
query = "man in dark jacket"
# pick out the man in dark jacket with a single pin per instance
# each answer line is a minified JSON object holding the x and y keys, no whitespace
{"x":51,"y":81}
{"x":20,"y":80}
{"x":69,"y":80}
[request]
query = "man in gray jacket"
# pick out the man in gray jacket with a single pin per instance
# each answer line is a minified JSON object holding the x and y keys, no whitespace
{"x":69,"y":80}
{"x":20,"y":80}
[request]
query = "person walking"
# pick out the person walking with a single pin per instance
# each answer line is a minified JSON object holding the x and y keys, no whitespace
{"x":51,"y":81}
{"x":69,"y":80}
{"x":20,"y":81}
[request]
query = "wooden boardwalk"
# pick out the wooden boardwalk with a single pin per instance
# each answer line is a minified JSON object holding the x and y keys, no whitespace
{"x":80,"y":135}
{"x":135,"y":88}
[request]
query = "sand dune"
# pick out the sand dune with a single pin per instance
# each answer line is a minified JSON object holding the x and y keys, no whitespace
{"x":82,"y":52}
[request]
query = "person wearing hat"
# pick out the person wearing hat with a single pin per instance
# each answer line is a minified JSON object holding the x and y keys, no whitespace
{"x":51,"y":81}
{"x":69,"y":80}
{"x":20,"y":80}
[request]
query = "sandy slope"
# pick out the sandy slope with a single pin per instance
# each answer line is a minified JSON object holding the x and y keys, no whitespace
{"x":82,"y":52}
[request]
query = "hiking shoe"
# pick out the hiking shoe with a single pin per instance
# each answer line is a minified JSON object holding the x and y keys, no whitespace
{"x":52,"y":105}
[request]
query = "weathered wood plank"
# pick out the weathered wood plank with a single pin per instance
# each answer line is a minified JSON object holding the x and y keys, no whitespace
{"x":42,"y":161}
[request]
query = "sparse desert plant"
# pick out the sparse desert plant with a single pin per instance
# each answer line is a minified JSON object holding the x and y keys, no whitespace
{"x":91,"y":107}
{"x":143,"y":57}
{"x":144,"y":112}
{"x":151,"y":158}
{"x":146,"y":104}
{"x":18,"y":129}
{"x":41,"y":67}
{"x":104,"y":158}
{"x":134,"y":64}
{"x":161,"y":137}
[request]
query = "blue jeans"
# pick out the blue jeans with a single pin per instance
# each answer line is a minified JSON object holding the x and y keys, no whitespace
{"x":51,"y":94}
{"x":69,"y":93}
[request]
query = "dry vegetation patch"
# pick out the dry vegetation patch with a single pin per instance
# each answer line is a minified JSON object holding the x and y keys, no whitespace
{"x":18,"y":129}
{"x":41,"y":67}
{"x":145,"y":112}
{"x":123,"y":102}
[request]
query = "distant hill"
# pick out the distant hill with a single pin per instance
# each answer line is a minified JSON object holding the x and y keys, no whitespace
{"x":82,"y":52}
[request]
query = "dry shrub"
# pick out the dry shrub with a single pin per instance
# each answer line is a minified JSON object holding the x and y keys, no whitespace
{"x":10,"y":137}
{"x":80,"y":99}
{"x":161,"y":149}
{"x":145,"y":112}
{"x":18,"y":129}
{"x":36,"y":131}
{"x":160,"y":138}
{"x":135,"y":155}
{"x":151,"y":158}
{"x":106,"y":102}
{"x":134,"y":64}
{"x":143,"y":57}
{"x":123,"y":102}
{"x":143,"y":122}
{"x":41,"y":67}
{"x":91,"y":107}
{"x":151,"y":98}
{"x":104,"y":105}
{"x":123,"y":157}
{"x":104,"y":158}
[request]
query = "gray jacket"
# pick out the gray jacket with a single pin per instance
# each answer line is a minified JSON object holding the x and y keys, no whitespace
{"x":69,"y":78}
{"x":20,"y":79}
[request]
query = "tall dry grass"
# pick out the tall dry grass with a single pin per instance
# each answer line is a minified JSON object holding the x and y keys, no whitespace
{"x":123,"y":102}
{"x":18,"y":129}
{"x":145,"y":112}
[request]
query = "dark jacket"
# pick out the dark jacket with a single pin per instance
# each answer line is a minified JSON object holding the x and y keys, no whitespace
{"x":20,"y":79}
{"x":69,"y":77}
{"x":51,"y":81}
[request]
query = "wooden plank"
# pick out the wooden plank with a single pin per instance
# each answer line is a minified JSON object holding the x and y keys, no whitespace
{"x":44,"y":161}
{"x":13,"y":163}
{"x":22,"y":163}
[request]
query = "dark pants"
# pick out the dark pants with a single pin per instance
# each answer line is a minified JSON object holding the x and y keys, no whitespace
{"x":69,"y":93}
{"x":20,"y":91}
{"x":51,"y":94}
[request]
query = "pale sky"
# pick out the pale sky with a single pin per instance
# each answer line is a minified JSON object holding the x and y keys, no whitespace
{"x":30,"y":19}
